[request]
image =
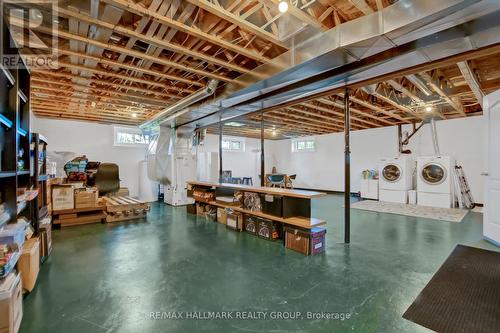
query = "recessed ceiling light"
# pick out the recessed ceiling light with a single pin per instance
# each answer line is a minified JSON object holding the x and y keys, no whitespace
{"x":134,"y":115}
{"x":428,"y":109}
{"x":234,"y":124}
{"x":283,"y":6}
{"x":274,"y":132}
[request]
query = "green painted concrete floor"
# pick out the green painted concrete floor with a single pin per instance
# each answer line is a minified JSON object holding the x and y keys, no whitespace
{"x":128,"y":277}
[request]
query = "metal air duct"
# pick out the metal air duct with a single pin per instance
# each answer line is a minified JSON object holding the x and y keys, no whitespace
{"x":180,"y":107}
{"x":405,"y":34}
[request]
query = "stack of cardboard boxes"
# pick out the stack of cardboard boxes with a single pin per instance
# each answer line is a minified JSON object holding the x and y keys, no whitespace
{"x":73,"y":196}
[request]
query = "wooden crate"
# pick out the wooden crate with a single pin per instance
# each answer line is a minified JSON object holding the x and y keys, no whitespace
{"x":122,"y":208}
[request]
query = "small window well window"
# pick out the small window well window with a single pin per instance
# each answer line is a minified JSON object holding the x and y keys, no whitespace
{"x":129,"y":136}
{"x":303,"y":145}
{"x":233,"y":144}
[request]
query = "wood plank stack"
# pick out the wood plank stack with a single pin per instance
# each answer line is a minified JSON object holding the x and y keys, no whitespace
{"x":78,"y":216}
{"x":122,"y":208}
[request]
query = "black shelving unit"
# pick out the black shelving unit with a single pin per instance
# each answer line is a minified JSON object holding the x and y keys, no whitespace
{"x":40,"y":177}
{"x":16,"y":170}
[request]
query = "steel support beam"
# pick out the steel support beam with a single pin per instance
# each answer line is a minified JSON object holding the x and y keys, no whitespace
{"x":262,"y":160}
{"x":347,"y":169}
{"x":220,"y":149}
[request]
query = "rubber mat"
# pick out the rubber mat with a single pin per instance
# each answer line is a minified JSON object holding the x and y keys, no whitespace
{"x":463,"y":296}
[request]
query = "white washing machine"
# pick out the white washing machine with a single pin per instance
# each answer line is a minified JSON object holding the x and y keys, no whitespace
{"x":396,"y":177}
{"x":435,"y":181}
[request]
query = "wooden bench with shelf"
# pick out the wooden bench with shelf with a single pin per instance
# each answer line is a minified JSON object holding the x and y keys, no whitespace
{"x":291,"y":208}
{"x":302,"y":222}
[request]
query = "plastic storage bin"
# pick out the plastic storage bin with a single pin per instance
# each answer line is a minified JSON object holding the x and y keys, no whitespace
{"x":305,"y":241}
{"x":13,"y":234}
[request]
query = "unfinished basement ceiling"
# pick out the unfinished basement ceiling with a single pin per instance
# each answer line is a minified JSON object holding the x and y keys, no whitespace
{"x":447,"y":92}
{"x":123,"y":61}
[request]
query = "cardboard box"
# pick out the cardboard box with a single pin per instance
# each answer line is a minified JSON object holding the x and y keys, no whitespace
{"x":11,"y":303}
{"x":221,"y":215}
{"x":45,"y":239}
{"x":234,"y":221}
{"x":29,"y":263}
{"x":305,"y":241}
{"x":86,"y":197}
{"x":201,"y":209}
{"x":123,"y":192}
{"x":63,"y":197}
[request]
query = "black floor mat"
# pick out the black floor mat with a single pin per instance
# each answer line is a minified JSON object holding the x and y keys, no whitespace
{"x":463,"y":296}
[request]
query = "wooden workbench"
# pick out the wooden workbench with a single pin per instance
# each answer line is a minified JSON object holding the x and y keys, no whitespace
{"x":297,"y":221}
{"x":259,"y":189}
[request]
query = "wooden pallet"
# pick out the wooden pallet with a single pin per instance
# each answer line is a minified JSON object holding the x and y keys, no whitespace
{"x":122,"y":208}
{"x":79,"y":216}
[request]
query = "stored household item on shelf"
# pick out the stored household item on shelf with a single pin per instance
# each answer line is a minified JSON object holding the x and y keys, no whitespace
{"x":29,"y":263}
{"x":13,"y":233}
{"x":369,"y":174}
{"x":205,"y":195}
{"x":268,"y":229}
{"x":125,"y":208}
{"x":9,"y":254}
{"x":11,"y":303}
{"x":250,"y":224}
{"x":211,"y":212}
{"x":228,"y":201}
{"x":77,"y":164}
{"x":234,"y":220}
{"x":63,"y":197}
{"x":77,"y":177}
{"x":252,"y":202}
{"x":272,"y":204}
{"x":86,"y":197}
{"x":221,"y":215}
{"x":238,"y":197}
{"x":305,"y":241}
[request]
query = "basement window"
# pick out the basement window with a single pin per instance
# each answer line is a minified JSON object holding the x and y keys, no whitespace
{"x":233,"y":144}
{"x":303,"y":145}
{"x":129,"y":137}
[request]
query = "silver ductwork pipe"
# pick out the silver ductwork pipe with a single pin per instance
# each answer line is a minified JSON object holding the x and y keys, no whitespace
{"x":180,"y":107}
{"x":435,"y":142}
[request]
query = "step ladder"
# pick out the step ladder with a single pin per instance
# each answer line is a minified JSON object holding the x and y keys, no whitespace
{"x":464,"y":193}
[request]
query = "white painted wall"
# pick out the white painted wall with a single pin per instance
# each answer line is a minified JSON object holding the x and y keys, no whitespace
{"x":96,"y":142}
{"x":242,"y":164}
{"x":324,"y":168}
{"x":462,"y":139}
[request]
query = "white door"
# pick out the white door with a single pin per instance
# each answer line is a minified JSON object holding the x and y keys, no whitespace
{"x":491,"y":221}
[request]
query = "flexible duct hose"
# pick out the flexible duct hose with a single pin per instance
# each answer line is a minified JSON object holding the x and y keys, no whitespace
{"x":435,"y":142}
